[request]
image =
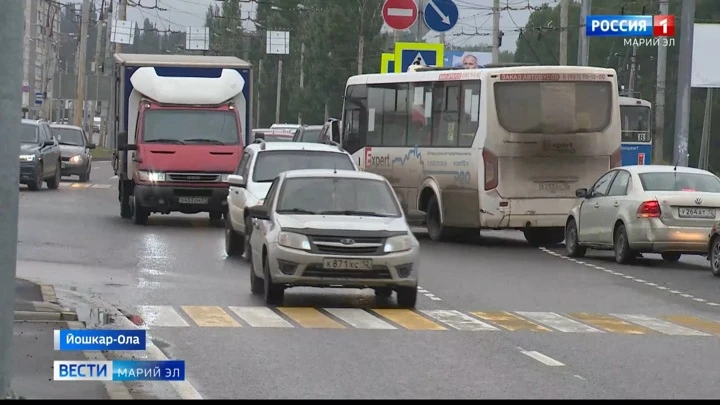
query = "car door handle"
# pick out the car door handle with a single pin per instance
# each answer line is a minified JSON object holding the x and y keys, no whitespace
{"x":236,"y":192}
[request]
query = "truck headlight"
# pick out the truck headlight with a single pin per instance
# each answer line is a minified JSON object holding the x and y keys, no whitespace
{"x":27,"y":158}
{"x":151,"y":176}
{"x":294,"y":241}
{"x":400,"y":243}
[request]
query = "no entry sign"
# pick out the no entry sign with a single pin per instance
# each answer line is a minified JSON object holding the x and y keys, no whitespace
{"x":400,"y":14}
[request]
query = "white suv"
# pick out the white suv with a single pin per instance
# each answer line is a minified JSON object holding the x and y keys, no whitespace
{"x":261,"y":163}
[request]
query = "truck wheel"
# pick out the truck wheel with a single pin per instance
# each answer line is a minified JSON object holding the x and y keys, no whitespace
{"x":140,"y":213}
{"x":125,"y":207}
{"x":215,"y":215}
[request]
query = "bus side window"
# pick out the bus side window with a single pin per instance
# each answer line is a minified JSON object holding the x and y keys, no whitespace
{"x":419,"y":127}
{"x":445,"y":114}
{"x":395,"y":115}
{"x":375,"y":115}
{"x":469,"y":113}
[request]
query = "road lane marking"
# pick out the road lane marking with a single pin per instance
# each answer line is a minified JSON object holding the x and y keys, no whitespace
{"x":310,"y":318}
{"x":695,"y":323}
{"x":260,"y":317}
{"x":408,"y":319}
{"x":161,"y":315}
{"x":458,"y":320}
{"x":358,"y":318}
{"x":659,"y":325}
{"x":210,"y":316}
{"x":609,"y":323}
{"x":511,"y":322}
{"x":559,"y":322}
{"x":79,"y":185}
{"x":546,"y":360}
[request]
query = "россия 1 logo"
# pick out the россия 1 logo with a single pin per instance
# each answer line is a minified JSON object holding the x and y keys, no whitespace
{"x":640,"y":30}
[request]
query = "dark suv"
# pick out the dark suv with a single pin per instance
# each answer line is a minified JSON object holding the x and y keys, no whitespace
{"x":39,"y":156}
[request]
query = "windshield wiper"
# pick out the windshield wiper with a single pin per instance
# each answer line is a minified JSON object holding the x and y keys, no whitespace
{"x":213,"y":141}
{"x":296,"y":211}
{"x":68,"y":143}
{"x":353,"y":212}
{"x":165,"y":140}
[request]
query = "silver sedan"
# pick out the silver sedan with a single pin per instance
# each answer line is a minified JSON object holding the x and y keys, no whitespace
{"x":645,"y":209}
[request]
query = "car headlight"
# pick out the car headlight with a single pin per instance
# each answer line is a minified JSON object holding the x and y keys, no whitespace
{"x":225,"y":178}
{"x":294,"y":241}
{"x":27,"y":158}
{"x":151,"y":176}
{"x":400,"y":243}
{"x":76,"y":158}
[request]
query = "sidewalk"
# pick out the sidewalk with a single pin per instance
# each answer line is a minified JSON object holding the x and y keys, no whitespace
{"x":37,"y":315}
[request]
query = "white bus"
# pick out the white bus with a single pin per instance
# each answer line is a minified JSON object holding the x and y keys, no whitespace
{"x":491,"y":148}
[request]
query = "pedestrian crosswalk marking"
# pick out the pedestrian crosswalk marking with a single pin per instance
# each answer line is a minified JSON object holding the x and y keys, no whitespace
{"x":408,"y":319}
{"x":423,"y":320}
{"x":358,"y":318}
{"x":85,"y":185}
{"x":310,"y":318}
{"x":610,"y":323}
{"x":659,"y":325}
{"x":511,"y":322}
{"x":458,"y":320}
{"x":559,"y":322}
{"x":210,"y":316}
{"x":159,"y":315}
{"x":695,"y":323}
{"x":260,"y":317}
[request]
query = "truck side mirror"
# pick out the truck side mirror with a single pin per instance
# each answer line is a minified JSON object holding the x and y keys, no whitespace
{"x":122,"y":139}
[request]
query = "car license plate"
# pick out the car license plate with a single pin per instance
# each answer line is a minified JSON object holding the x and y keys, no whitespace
{"x":348,"y":264}
{"x":554,"y":187}
{"x":193,"y":200}
{"x":690,"y":212}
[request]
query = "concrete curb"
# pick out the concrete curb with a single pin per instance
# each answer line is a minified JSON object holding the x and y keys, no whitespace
{"x":48,"y":309}
{"x":48,"y":293}
{"x":114,"y":390}
{"x":43,"y":316}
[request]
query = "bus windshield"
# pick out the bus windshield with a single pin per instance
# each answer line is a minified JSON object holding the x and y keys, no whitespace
{"x":635,"y":123}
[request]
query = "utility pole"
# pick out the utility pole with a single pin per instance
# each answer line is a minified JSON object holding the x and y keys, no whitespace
{"x":259,"y":84}
{"x":682,"y":104}
{"x":45,"y":60}
{"x":583,"y":43}
{"x":98,"y":55}
{"x":564,"y":5}
{"x":122,"y":16}
{"x":302,"y":76}
{"x":279,"y":91}
{"x":496,"y":32}
{"x":659,"y":134}
{"x":361,"y":39}
{"x":105,"y":127}
{"x":633,"y":71}
{"x":82,"y":65}
{"x":12,"y":23}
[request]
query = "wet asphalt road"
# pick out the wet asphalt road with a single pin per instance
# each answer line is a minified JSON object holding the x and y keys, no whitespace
{"x":503,"y":320}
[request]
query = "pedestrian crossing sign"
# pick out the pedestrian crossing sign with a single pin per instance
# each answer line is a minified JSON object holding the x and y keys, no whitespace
{"x":417,"y":53}
{"x":387,"y":63}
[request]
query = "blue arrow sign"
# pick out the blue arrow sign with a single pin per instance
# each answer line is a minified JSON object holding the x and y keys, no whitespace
{"x":440,"y":15}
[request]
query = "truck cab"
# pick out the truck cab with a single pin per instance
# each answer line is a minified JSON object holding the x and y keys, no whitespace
{"x":185,"y":136}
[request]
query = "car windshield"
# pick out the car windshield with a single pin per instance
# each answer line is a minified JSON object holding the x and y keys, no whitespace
{"x":337,"y":196}
{"x":69,"y":136}
{"x":311,"y":135}
{"x":191,"y":127}
{"x":271,"y":163}
{"x":671,"y":181}
{"x":29,"y":134}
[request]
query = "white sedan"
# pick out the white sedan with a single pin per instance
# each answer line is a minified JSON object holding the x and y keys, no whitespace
{"x":645,"y":209}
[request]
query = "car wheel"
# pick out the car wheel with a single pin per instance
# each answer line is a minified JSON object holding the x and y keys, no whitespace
{"x":571,"y":240}
{"x":715,"y":256}
{"x":246,"y":241}
{"x":623,"y":253}
{"x":274,"y":294}
{"x":257,"y":284}
{"x":234,"y":243}
{"x":383,"y":292}
{"x":215,"y":215}
{"x":84,"y":178}
{"x":407,"y":297}
{"x":54,"y":182}
{"x":671,"y":257}
{"x":37,"y":182}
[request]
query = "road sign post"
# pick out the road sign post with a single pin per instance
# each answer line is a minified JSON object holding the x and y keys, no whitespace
{"x":409,"y":53}
{"x":400,"y":14}
{"x":387,"y":63}
{"x":440,"y":15}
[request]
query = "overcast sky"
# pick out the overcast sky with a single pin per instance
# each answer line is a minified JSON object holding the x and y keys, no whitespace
{"x":474,"y":24}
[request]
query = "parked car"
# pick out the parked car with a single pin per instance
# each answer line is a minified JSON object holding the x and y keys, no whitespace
{"x":39,"y":156}
{"x":333,"y":228}
{"x":645,"y":209}
{"x":260,"y":164}
{"x":75,"y":150}
{"x":272,"y":135}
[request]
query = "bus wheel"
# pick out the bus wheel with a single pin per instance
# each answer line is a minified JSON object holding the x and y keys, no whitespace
{"x":436,"y":230}
{"x":538,"y":237}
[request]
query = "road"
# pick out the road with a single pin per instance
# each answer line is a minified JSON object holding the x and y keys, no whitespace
{"x":496,"y":318}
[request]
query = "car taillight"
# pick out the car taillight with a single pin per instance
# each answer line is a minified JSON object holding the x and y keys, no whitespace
{"x":491,"y":169}
{"x":649,"y":209}
{"x":616,"y":158}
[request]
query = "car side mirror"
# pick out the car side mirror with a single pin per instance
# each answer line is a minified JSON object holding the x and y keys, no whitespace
{"x":127,"y":147}
{"x":91,"y":146}
{"x":581,"y":193}
{"x":260,"y":135}
{"x":236,"y":180}
{"x":48,"y":142}
{"x":259,"y":212}
{"x":415,"y":217}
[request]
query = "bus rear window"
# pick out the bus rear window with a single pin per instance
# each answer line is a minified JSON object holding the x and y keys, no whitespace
{"x":554,"y":107}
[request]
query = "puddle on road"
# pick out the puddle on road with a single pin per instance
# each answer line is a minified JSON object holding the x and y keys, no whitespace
{"x":93,"y":317}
